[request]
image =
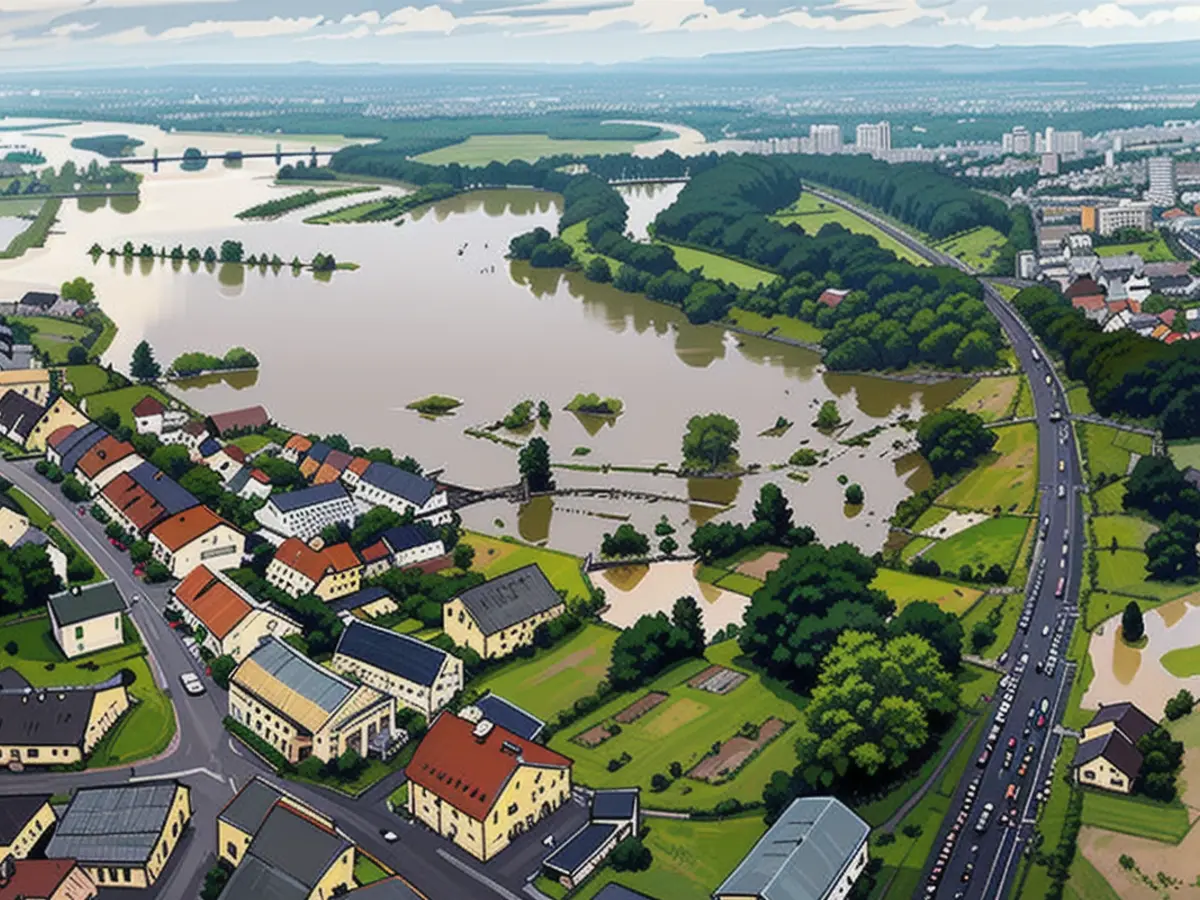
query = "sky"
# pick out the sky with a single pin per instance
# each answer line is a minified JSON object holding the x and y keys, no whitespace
{"x":87,"y":33}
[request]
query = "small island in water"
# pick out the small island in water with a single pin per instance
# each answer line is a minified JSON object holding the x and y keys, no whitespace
{"x":594,"y":405}
{"x":435,"y":405}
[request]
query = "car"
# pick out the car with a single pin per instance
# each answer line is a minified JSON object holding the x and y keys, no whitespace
{"x":82,"y":511}
{"x":1062,"y":492}
{"x":1041,"y":722}
{"x":1037,"y":667}
{"x":192,"y":684}
{"x":1045,"y":704}
{"x":1022,"y":769}
{"x":391,"y":837}
{"x":967,"y":870}
{"x":119,"y":546}
{"x":1047,"y":379}
{"x":1062,"y":465}
{"x":1056,"y":416}
{"x":1012,"y":743}
{"x":1011,"y":793}
{"x":983,"y":758}
{"x":1003,"y":658}
{"x":1045,"y":631}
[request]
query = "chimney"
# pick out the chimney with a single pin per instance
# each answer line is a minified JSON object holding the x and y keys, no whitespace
{"x":482,"y":729}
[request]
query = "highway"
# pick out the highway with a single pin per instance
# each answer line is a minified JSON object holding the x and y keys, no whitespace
{"x":988,"y":859}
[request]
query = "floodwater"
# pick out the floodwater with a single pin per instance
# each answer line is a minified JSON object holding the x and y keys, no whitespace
{"x":435,"y":308}
{"x":634,"y":591}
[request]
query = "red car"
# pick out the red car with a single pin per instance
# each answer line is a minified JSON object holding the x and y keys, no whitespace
{"x":1041,"y":721}
{"x":119,"y":546}
{"x":139,"y":571}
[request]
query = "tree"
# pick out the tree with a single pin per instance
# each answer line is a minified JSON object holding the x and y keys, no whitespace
{"x":533,"y":462}
{"x":710,"y":441}
{"x":941,"y":629}
{"x":283,"y":474}
{"x":76,"y":355}
{"x":1133,"y":628}
{"x":631,"y":855}
{"x":773,"y":510}
{"x":231,"y":251}
{"x":202,"y":483}
{"x":210,"y":255}
{"x":368,"y":529}
{"x":1156,"y":486}
{"x":544,"y":415}
{"x":983,"y":635}
{"x":73,"y":490}
{"x":156,"y":572}
{"x":828,"y":417}
{"x":1162,"y":758}
{"x":854,"y":494}
{"x":1171,"y":551}
{"x":214,"y":881}
{"x":689,"y":621}
{"x":144,"y":368}
{"x":464,"y":555}
{"x":37,"y":574}
{"x":221,"y":668}
{"x":172,"y":459}
{"x":598,"y":270}
{"x":952,"y":439}
{"x":79,"y":290}
{"x":645,"y":649}
{"x":1180,"y":705}
{"x":140,"y":551}
{"x":667,"y":546}
{"x":625,"y":541}
{"x":349,"y":763}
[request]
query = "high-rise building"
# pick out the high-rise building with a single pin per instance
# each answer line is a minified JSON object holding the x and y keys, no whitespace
{"x":1110,"y":159}
{"x":1125,"y":215}
{"x":1018,"y":141}
{"x":826,"y":138}
{"x":1064,"y":142}
{"x":871,"y":137}
{"x":1162,"y":181}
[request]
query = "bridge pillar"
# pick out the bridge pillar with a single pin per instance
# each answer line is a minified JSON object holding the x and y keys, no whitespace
{"x":313,"y":161}
{"x":278,"y":154}
{"x":155,"y":163}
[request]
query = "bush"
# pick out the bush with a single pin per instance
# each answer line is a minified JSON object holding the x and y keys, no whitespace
{"x":659,"y":782}
{"x":310,"y":768}
{"x":1180,"y":705}
{"x":73,"y":490}
{"x":912,"y":830}
{"x":221,"y":668}
{"x":156,"y":572}
{"x":257,"y":744}
{"x":885,"y":838}
{"x":80,"y":569}
{"x":11,"y":648}
{"x":1127,"y":862}
{"x":631,"y":855}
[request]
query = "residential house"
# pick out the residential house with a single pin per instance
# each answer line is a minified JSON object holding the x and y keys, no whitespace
{"x":304,"y":709}
{"x":66,"y":446}
{"x":1107,"y":756}
{"x":498,"y":616}
{"x":123,"y":836}
{"x":401,"y":491}
{"x":1090,"y":296}
{"x":31,"y":383}
{"x":332,"y":468}
{"x":419,"y":675}
{"x":816,"y":850}
{"x":412,"y":544}
{"x":104,"y":461}
{"x":150,"y":416}
{"x":238,"y":421}
{"x":143,"y":497}
{"x":304,"y":513}
{"x":18,"y":417}
{"x":354,"y":472}
{"x":59,"y":414}
{"x":243,"y":816}
{"x":394,"y":888}
{"x":312,"y":461}
{"x":197,"y":536}
{"x":227,"y":461}
{"x":250,"y":484}
{"x":15,"y":531}
{"x":833,"y":297}
{"x":613,"y":816}
{"x":24,"y":820}
{"x":86,"y":619}
{"x":293,"y":855}
{"x":366,"y":603}
{"x":234,"y":622}
{"x":507,"y":715}
{"x":190,"y":434}
{"x":376,"y":559}
{"x":481,"y":786}
{"x":44,"y":879}
{"x":329,"y":572}
{"x":36,"y":303}
{"x":55,"y":726}
{"x":296,"y":447}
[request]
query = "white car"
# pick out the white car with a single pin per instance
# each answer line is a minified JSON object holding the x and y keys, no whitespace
{"x":192,"y":684}
{"x":390,"y":836}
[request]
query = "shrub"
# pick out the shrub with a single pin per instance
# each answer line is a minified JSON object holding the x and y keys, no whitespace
{"x":1180,"y":705}
{"x":11,"y":648}
{"x":1127,"y":862}
{"x":912,"y":830}
{"x":80,"y":569}
{"x":885,"y":838}
{"x":631,"y":855}
{"x":659,"y":782}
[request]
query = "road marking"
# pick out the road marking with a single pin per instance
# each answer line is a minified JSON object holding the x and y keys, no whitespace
{"x":232,"y":784}
{"x":199,"y":770}
{"x":478,"y":876}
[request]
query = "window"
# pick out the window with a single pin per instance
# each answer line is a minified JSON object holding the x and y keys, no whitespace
{"x":112,"y":874}
{"x":78,"y":632}
{"x":1089,"y":775}
{"x":128,"y":875}
{"x":512,"y":809}
{"x":174,"y":829}
{"x":100,"y":874}
{"x":231,"y":849}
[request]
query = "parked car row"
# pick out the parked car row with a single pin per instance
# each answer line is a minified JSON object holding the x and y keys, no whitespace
{"x":960,"y":821}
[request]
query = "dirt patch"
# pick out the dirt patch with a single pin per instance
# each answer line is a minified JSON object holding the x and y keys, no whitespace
{"x":734,"y":753}
{"x":593,"y":737}
{"x":639,"y":708}
{"x":674,"y":717}
{"x":717,"y":680}
{"x":1104,"y":849}
{"x":760,"y":568}
{"x":953,"y":524}
{"x":626,"y":578}
{"x":570,"y":661}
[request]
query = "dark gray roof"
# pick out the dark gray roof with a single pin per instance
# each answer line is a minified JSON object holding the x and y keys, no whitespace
{"x":413,"y":488}
{"x":510,"y":716}
{"x":18,"y":414}
{"x":163,"y":488}
{"x":405,"y":537}
{"x":250,"y":806}
{"x":44,"y":299}
{"x":317,"y":452}
{"x":353,"y":601}
{"x":15,"y":813}
{"x":93,"y":600}
{"x":615,"y":804}
{"x":400,"y":654}
{"x":291,"y":843}
{"x":1134,"y":723}
{"x":388,"y":889}
{"x":802,"y":855}
{"x":579,"y":850}
{"x":310,"y":496}
{"x":253,"y":879}
{"x":614,"y":891}
{"x":511,"y":598}
{"x":1116,"y":750}
{"x":301,"y":675}
{"x":113,"y":824}
{"x":239,"y":480}
{"x":55,"y":717}
{"x":12,"y":680}
{"x":79,"y":442}
{"x":32,"y":536}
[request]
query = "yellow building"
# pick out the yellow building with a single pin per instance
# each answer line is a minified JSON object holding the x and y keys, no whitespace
{"x":330,"y":572}
{"x":304,"y":709}
{"x":24,"y":820}
{"x":498,"y":616}
{"x":58,"y":415}
{"x":1107,"y":756}
{"x":123,"y":836}
{"x":419,"y":675}
{"x":84,"y":620}
{"x":234,"y":623}
{"x":196,"y":536}
{"x":31,"y":383}
{"x":44,"y":879}
{"x":55,"y":726}
{"x":480,"y":785}
{"x":242,"y":816}
{"x":1089,"y":218}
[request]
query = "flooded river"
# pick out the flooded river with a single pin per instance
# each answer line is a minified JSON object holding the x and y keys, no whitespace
{"x":345,"y":354}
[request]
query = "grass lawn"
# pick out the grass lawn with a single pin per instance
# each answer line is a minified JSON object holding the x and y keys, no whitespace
{"x":915,"y":546}
{"x":52,"y":336}
{"x":366,"y":871}
{"x":1084,"y":882}
{"x":142,"y":732}
{"x":1124,"y":572}
{"x":690,"y":858}
{"x":251,"y":443}
{"x":906,"y":588}
{"x":738,"y":583}
{"x":90,"y":379}
{"x":494,"y":556}
{"x":997,"y":540}
{"x":716,"y":266}
{"x":399,"y":797}
{"x":1136,"y":815}
{"x":1108,"y":449}
{"x":1010,"y":615}
{"x":1155,"y":250}
{"x":555,"y":679}
{"x":1050,"y":824}
{"x":778,"y":326}
{"x":812,"y":213}
{"x":123,"y":400}
{"x":931,"y":517}
{"x":1185,"y":453}
{"x":976,"y":247}
{"x":1007,"y":291}
{"x":481,"y":149}
{"x":1025,"y":407}
{"x":1130,"y":532}
{"x":1101,"y":607}
{"x":576,"y":236}
{"x":1079,"y":402}
{"x":683,"y":729}
{"x":1007,"y":477}
{"x":37,"y":516}
{"x":989,"y":398}
{"x":409,"y":626}
{"x":350,"y":213}
{"x":1110,"y":499}
{"x":1020,"y":570}
{"x":1183,"y":662}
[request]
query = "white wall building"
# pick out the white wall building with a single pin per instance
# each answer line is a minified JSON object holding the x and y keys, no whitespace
{"x":871,"y":137}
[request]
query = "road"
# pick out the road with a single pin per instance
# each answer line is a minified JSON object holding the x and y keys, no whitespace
{"x":992,"y":854}
{"x":206,"y":758}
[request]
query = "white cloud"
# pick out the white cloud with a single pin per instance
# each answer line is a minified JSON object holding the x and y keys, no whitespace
{"x":371,"y":17}
{"x":275,"y":26}
{"x":70,"y":28}
{"x":1012,"y":24}
{"x":430,"y":19}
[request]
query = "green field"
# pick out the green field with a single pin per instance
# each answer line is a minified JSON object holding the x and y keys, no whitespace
{"x":1130,"y":532}
{"x":123,"y":400}
{"x":683,"y":729}
{"x":1084,"y":882}
{"x":1155,"y":250}
{"x":37,"y":516}
{"x":1109,"y":449}
{"x":54,"y":337}
{"x":1007,"y":478}
{"x":494,"y":556}
{"x":1138,"y":816}
{"x":1053,"y":816}
{"x":1101,"y":607}
{"x":1183,"y":662}
{"x":90,"y":379}
{"x":1110,"y":499}
{"x":1079,"y":402}
{"x":995,"y":541}
{"x":738,"y":583}
{"x":1007,"y":291}
{"x":931,"y":517}
{"x":350,"y":213}
{"x":812,"y":214}
{"x":906,"y":588}
{"x":481,"y":149}
{"x":1010,"y":615}
{"x":715,"y":266}
{"x":553,"y":680}
{"x":366,"y":871}
{"x":915,"y":546}
{"x":990,"y":398}
{"x":1185,"y":453}
{"x":251,"y":443}
{"x":690,"y":858}
{"x":977,"y":247}
{"x":778,"y":326}
{"x":1124,"y":572}
{"x":142,"y":732}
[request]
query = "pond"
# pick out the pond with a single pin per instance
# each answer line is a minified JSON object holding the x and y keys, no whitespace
{"x":436,"y":308}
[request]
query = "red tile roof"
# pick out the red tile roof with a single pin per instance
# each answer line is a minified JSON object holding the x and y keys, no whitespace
{"x":1173,"y":337}
{"x":1167,"y":316}
{"x":297,"y":555}
{"x":299,"y":443}
{"x":148,"y":406}
{"x":183,"y":528}
{"x":831,"y":297}
{"x":374,"y":553}
{"x":1084,"y":287}
{"x":134,"y":501}
{"x":470,"y":774}
{"x":358,"y":466}
{"x":260,"y":476}
{"x":327,"y":474}
{"x":1089,"y":303}
{"x":36,"y":878}
{"x":341,"y":558}
{"x":58,"y":435}
{"x":240,"y":419}
{"x":108,"y":450}
{"x":195,"y":428}
{"x":234,"y":452}
{"x":218,"y":607}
